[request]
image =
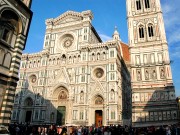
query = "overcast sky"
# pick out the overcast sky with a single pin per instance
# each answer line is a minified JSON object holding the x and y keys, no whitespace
{"x":107,"y":15}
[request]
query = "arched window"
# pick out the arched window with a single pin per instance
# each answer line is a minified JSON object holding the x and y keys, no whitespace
{"x":141,"y":32}
{"x":70,"y":59}
{"x":79,"y":57}
{"x":74,"y":59}
{"x":7,"y":60}
{"x":150,"y":30}
{"x":58,"y":61}
{"x":138,"y":4}
{"x":81,"y":96}
{"x":93,"y":56}
{"x":147,"y":4}
{"x":98,"y":56}
{"x":104,"y":55}
{"x":63,"y":58}
{"x":9,"y":27}
{"x":54,"y":61}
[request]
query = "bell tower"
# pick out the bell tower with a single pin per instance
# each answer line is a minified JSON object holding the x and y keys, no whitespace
{"x":153,"y":94}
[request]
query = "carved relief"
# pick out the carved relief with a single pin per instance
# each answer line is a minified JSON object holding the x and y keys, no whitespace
{"x":99,"y":100}
{"x":62,"y":95}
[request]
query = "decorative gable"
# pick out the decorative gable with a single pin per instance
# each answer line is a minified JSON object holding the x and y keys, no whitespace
{"x":70,"y":16}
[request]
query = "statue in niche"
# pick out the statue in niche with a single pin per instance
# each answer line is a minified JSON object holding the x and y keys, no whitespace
{"x":162,"y":73}
{"x":112,"y":95}
{"x":154,"y":74}
{"x":146,"y":75}
{"x":138,"y":75}
{"x":138,"y":60}
{"x":81,"y":96}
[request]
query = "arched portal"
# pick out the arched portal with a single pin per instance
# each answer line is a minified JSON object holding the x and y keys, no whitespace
{"x":99,"y":112}
{"x":62,"y":103}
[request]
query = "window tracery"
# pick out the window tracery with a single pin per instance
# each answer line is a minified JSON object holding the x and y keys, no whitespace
{"x":138,"y":4}
{"x":147,"y":3}
{"x":150,"y":30}
{"x":141,"y":31}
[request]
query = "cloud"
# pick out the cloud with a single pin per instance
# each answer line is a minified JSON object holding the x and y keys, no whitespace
{"x":105,"y":37}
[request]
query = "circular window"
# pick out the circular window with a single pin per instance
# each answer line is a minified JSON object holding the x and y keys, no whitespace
{"x":98,"y":72}
{"x":67,"y":40}
{"x":33,"y":78}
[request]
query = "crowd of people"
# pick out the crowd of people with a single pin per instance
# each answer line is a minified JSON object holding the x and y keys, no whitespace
{"x":27,"y":129}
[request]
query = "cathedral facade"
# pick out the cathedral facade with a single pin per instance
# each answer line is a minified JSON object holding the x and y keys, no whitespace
{"x":76,"y":78}
{"x":15,"y":18}
{"x":79,"y":79}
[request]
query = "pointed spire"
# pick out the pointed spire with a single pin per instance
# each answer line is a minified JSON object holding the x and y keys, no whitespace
{"x":116,"y":35}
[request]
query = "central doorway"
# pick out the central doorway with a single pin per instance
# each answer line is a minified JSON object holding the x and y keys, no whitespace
{"x":61,"y":113}
{"x":98,"y":118}
{"x":28,"y":116}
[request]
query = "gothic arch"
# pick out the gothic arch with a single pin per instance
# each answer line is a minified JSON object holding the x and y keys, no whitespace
{"x":150,"y":29}
{"x":141,"y":30}
{"x":28,"y":102}
{"x":98,"y":100}
{"x":58,"y":89}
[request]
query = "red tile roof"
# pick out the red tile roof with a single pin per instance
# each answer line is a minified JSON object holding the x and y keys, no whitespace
{"x":125,"y":50}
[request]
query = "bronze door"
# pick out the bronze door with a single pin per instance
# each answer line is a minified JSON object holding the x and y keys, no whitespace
{"x":98,"y":118}
{"x":61,"y":113}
